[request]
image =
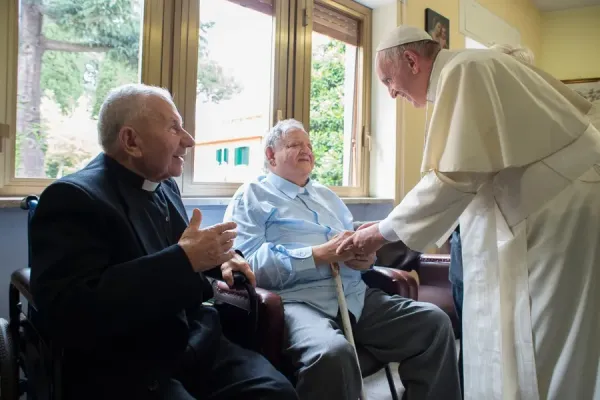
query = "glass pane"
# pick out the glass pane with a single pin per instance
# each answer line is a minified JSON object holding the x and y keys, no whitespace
{"x":235,"y":86}
{"x":473,"y":44}
{"x":71,"y":53}
{"x":332,"y":97}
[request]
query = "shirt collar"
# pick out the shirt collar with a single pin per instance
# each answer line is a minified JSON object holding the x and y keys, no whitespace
{"x":443,"y":57}
{"x":290,"y":189}
{"x":130,"y":177}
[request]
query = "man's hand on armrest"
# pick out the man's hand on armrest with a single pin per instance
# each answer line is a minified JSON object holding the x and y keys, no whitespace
{"x":237,"y":263}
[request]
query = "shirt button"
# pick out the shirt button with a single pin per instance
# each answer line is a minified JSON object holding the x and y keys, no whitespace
{"x":167,"y":219}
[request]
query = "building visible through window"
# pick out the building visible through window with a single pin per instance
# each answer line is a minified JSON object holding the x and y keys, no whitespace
{"x":242,"y":156}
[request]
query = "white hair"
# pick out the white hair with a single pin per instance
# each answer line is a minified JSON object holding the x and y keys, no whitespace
{"x":281,"y":128}
{"x":520,"y":53}
{"x":123,"y":105}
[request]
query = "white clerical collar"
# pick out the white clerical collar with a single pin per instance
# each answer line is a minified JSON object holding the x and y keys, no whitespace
{"x":443,"y":57}
{"x":149,"y":186}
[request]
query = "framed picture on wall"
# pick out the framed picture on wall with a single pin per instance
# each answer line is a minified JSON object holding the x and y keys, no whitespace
{"x":438,"y":27}
{"x":588,"y":88}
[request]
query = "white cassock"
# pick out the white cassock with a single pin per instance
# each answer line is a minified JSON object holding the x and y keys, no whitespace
{"x":512,"y":152}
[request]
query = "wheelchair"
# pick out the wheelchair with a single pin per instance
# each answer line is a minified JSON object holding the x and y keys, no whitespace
{"x":29,"y":364}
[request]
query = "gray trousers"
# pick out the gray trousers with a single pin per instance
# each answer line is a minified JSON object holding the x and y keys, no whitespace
{"x":391,"y":329}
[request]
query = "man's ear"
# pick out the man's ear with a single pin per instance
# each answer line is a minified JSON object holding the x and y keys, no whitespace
{"x":412,"y":58}
{"x":130,"y":140}
{"x":270,"y":155}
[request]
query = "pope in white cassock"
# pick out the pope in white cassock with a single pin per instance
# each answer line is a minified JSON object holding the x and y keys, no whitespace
{"x":512,"y":153}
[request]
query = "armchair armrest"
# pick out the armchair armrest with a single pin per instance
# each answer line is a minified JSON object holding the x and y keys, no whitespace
{"x":236,"y":305}
{"x":434,"y":269}
{"x":392,"y":281}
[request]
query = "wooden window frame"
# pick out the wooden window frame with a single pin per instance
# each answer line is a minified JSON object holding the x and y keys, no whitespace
{"x":155,"y":70}
{"x":169,"y":59}
{"x":362,"y":112}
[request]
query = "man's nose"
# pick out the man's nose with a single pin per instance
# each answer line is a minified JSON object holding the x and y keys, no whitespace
{"x":188,"y":140}
{"x":392,"y":92}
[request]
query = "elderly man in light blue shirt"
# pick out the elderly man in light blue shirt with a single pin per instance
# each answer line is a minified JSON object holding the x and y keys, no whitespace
{"x":289,"y":228}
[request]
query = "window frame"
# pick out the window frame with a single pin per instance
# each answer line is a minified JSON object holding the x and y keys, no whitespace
{"x":362,"y":111}
{"x":169,"y":48}
{"x":155,"y":59}
{"x":187,"y":54}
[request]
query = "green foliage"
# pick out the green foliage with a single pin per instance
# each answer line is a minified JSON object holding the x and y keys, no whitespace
{"x":111,"y":30}
{"x":111,"y":74}
{"x":61,"y":72}
{"x":327,"y":112}
{"x":101,"y":23}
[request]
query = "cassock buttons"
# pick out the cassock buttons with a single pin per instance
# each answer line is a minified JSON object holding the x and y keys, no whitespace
{"x":167,"y":218}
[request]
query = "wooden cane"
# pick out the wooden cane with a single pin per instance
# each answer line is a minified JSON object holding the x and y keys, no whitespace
{"x":339,"y":288}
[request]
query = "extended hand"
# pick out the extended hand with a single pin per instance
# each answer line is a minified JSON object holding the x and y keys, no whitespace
{"x":237,"y":263}
{"x":209,"y":247}
{"x":364,"y":241}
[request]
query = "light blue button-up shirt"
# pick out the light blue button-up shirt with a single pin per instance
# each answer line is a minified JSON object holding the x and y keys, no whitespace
{"x":278,"y":223}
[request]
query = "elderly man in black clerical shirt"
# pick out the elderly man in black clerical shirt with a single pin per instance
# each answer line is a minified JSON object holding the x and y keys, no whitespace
{"x":119,"y":276}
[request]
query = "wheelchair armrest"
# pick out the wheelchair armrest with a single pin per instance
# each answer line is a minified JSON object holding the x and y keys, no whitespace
{"x":269,"y":317}
{"x":20,"y":279}
{"x":392,"y":281}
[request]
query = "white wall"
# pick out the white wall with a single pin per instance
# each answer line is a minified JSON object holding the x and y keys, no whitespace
{"x":383,"y":172}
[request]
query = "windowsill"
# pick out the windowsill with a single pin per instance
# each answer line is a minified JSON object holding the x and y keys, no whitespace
{"x":15,"y":202}
{"x":224,"y":201}
{"x":10,"y":202}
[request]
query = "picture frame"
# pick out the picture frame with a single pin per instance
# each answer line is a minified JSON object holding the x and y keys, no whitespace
{"x":438,"y":27}
{"x":588,"y":88}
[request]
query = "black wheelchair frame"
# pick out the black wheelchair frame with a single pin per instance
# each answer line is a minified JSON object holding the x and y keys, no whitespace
{"x":22,"y":346}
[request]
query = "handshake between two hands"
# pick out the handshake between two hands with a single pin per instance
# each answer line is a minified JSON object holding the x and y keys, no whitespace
{"x":212,"y":246}
{"x":355,"y":249}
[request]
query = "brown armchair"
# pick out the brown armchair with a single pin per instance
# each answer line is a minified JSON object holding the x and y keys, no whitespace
{"x":264,"y":310}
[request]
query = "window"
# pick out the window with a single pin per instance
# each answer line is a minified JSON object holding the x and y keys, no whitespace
{"x":473,"y":44}
{"x":242,"y":156}
{"x":338,"y":94}
{"x":332,"y":94}
{"x":234,"y":68}
{"x":67,"y":63}
{"x":69,"y":55}
{"x":233,"y":97}
{"x":226,"y":156}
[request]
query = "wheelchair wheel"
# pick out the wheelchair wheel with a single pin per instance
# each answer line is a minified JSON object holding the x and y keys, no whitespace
{"x":9,"y":372}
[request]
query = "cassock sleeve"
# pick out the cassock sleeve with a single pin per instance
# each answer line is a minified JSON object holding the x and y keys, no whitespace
{"x":80,"y":290}
{"x":432,"y":208}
